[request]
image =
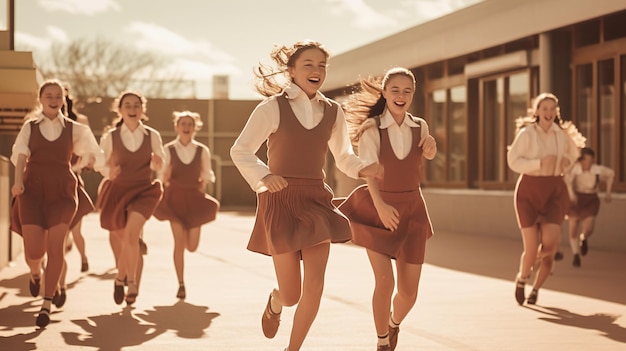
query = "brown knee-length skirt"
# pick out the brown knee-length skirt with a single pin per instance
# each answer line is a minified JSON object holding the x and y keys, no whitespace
{"x":188,"y":206}
{"x":117,"y":199}
{"x":297,"y":217}
{"x":408,"y":242}
{"x":540,"y":199}
{"x":587,"y":205}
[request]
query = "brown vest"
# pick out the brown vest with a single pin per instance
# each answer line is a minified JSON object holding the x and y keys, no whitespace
{"x":296,"y":152}
{"x":400,"y":175}
{"x":183,"y":175}
{"x":45,"y":153}
{"x":134,"y":166}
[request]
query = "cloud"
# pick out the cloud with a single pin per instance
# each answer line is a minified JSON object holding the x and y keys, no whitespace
{"x":363,"y":16}
{"x":25,"y":41}
{"x":152,"y":37}
{"x":57,"y":34}
{"x":81,"y":7}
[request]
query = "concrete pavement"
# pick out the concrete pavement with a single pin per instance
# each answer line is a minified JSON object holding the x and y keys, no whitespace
{"x":465,"y":301}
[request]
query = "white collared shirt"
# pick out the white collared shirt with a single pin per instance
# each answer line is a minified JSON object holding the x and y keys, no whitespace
{"x":84,"y":142}
{"x":582,"y":181}
{"x":131,"y":140}
{"x":532,"y":144}
{"x":264,"y":121}
{"x":400,"y":137}
{"x":186,"y":154}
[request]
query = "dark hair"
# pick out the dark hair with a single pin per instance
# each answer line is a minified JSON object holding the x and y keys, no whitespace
{"x":117,"y":103}
{"x":369,"y":101}
{"x":587,"y":151}
{"x":283,"y":57}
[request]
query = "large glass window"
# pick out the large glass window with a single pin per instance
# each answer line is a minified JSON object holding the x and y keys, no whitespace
{"x":458,"y":134}
{"x":504,"y":99}
{"x":622,"y":177}
{"x":584,"y":101}
{"x":437,"y":124}
{"x":493,"y":145}
{"x":606,"y":112}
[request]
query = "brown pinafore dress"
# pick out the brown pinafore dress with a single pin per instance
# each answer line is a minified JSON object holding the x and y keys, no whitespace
{"x":400,"y":188}
{"x":301,"y":215}
{"x":183,"y":200}
{"x":49,"y":196}
{"x":133,"y":190}
{"x":85,"y":205}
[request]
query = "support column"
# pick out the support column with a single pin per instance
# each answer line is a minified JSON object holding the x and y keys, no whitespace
{"x":545,"y":63}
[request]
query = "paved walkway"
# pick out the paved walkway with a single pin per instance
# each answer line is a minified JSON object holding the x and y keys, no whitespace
{"x":465,"y":300}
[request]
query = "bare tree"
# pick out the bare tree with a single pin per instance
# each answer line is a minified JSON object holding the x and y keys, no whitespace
{"x":97,"y":68}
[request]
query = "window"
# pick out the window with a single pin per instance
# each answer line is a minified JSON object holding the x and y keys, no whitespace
{"x":584,"y":101}
{"x":614,"y":27}
{"x":606,"y":112}
{"x":587,"y":33}
{"x":447,"y":123}
{"x":504,"y":99}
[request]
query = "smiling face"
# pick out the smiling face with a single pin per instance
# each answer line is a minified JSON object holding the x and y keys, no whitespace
{"x":185,"y":127}
{"x":546,"y":113}
{"x":51,"y":100}
{"x":309,"y":70}
{"x":131,"y":108}
{"x":398,"y":91}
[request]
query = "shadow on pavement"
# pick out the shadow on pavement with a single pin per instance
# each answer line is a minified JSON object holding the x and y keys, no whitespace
{"x":602,"y":322}
{"x":112,"y":332}
{"x":601,"y":276}
{"x":189,"y":321}
{"x":20,"y":342}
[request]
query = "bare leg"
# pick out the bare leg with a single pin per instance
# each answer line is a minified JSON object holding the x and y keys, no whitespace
{"x":130,"y":244}
{"x":574,"y":235}
{"x":383,"y":290}
{"x":35,"y":242}
{"x":79,"y":240}
{"x":587,"y":226}
{"x":180,"y":238}
{"x":550,"y":237}
{"x":530,"y":237}
{"x":56,"y":257}
{"x":408,"y":282}
{"x":115,"y":239}
{"x":193,"y":239}
{"x":314,"y":260}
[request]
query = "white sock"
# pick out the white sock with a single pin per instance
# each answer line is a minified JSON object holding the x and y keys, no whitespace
{"x":392,"y":323}
{"x":47,"y":301}
{"x":383,"y":340}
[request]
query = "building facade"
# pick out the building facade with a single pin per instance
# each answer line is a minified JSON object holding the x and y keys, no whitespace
{"x":478,"y":70}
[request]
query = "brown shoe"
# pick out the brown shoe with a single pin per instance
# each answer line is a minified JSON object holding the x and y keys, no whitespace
{"x":181,"y":294}
{"x":393,"y":337}
{"x":270,"y":320}
{"x":384,"y":348}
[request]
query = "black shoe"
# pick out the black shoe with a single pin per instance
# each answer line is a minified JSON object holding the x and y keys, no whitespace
{"x":584,"y":247}
{"x":393,"y":337}
{"x":43,"y":319}
{"x":118,"y":294}
{"x":558,"y":256}
{"x":34,"y":285}
{"x":576,"y":262}
{"x":519,"y":291}
{"x":143,"y":248}
{"x":532,"y":298}
{"x":84,"y":266}
{"x":59,"y":298}
{"x":181,"y":292}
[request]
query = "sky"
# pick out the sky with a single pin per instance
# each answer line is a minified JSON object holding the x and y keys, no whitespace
{"x":203,"y":38}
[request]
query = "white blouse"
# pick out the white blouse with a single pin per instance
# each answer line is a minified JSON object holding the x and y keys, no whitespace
{"x":131,"y":140}
{"x":532,"y":143}
{"x":186,"y":153}
{"x":400,"y":137}
{"x":582,"y":181}
{"x":264,"y":121}
{"x":84,"y":142}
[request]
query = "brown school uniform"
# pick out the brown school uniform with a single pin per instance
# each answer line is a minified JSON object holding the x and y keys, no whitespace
{"x":133,"y":190}
{"x":85,"y":205}
{"x":587,"y":205}
{"x":400,"y":188}
{"x":540,"y":199}
{"x":301,"y":215}
{"x":49,"y":196}
{"x":183,"y":200}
